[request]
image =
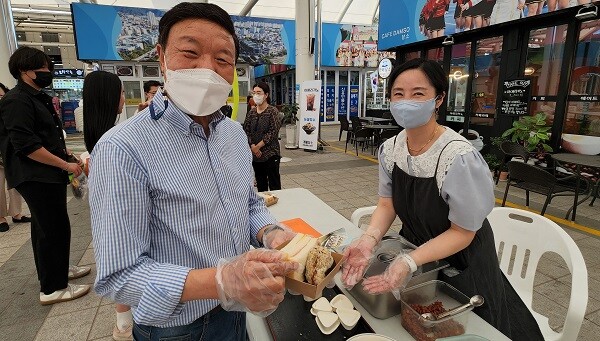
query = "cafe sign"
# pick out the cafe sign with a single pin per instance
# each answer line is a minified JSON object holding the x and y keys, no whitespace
{"x":516,"y":97}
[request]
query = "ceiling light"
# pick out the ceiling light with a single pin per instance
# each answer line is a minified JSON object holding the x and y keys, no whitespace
{"x":529,"y":71}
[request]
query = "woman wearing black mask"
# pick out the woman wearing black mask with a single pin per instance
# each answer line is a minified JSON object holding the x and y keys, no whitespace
{"x":35,"y":161}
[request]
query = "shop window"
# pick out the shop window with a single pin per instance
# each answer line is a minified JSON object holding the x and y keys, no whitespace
{"x":436,"y":54}
{"x":457,"y":84}
{"x":485,"y":81}
{"x":583,"y":110}
{"x":544,"y":63}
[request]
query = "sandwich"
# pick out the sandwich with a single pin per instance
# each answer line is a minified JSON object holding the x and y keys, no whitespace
{"x":314,"y":259}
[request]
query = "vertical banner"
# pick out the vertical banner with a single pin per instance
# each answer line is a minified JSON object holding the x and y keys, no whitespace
{"x":354,"y":100}
{"x":374,"y":81}
{"x":330,"y":103}
{"x":343,"y":101}
{"x":322,"y":106}
{"x":310,"y":100}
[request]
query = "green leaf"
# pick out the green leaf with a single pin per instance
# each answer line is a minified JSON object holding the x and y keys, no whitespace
{"x":547,"y":147}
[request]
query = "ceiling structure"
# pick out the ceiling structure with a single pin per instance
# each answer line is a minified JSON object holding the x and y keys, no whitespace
{"x":55,"y":13}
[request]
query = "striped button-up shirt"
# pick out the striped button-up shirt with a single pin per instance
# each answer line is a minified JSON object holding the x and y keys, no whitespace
{"x":165,"y":199}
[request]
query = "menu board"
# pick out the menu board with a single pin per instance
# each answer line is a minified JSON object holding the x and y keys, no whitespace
{"x":515,"y":97}
{"x":67,"y":83}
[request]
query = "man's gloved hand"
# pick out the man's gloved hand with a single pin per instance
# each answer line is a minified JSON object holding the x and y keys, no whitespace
{"x":253,"y":281}
{"x":393,"y":279}
{"x":275,"y":235}
{"x":358,"y":256}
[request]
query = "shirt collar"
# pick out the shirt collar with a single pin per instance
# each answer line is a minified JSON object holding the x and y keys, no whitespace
{"x":175,"y":116}
{"x":24,"y":86}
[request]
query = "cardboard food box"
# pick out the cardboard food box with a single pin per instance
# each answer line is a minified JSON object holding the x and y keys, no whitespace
{"x":310,"y":290}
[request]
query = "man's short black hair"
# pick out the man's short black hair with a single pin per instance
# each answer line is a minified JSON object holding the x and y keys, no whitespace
{"x":28,"y":58}
{"x":194,"y":10}
{"x":149,"y":84}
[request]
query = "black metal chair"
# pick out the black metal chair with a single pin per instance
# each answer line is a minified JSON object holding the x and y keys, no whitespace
{"x":387,"y":134}
{"x":511,"y":149}
{"x":537,"y":180}
{"x":363,"y":136}
{"x":344,"y":126}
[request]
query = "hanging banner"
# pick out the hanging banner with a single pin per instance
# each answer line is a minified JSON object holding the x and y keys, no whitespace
{"x":330,"y":103}
{"x":342,"y":101}
{"x":322,"y":106}
{"x":310,"y":99}
{"x":354,"y":100}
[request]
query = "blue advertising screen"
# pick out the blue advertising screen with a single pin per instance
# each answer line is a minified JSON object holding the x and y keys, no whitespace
{"x":126,"y":33}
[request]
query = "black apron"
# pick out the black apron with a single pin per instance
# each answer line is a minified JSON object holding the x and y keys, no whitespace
{"x":424,"y":215}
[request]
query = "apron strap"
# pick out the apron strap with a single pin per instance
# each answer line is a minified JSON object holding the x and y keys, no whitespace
{"x":437,"y":165}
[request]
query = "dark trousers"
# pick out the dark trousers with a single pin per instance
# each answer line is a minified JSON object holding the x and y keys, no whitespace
{"x":267,"y":174}
{"x":216,"y":325}
{"x":50,"y":232}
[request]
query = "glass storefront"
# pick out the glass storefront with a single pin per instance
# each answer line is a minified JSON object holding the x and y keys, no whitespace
{"x":583,"y":109}
{"x":545,"y":52}
{"x":457,"y":85}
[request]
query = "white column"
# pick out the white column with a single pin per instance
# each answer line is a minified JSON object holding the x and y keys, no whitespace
{"x":8,"y":43}
{"x":305,"y":61}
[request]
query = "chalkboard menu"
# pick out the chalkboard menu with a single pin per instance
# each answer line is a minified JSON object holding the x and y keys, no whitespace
{"x":515,"y":97}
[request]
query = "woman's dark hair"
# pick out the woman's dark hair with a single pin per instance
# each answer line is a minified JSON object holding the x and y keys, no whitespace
{"x":265,"y":88}
{"x":27,"y":58}
{"x":432,"y":70}
{"x":194,"y":10}
{"x":101,"y":98}
{"x":4,"y":88}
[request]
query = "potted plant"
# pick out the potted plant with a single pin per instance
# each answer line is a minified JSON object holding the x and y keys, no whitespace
{"x":493,"y":163}
{"x":533,"y":133}
{"x":290,"y":117}
{"x":502,"y":171}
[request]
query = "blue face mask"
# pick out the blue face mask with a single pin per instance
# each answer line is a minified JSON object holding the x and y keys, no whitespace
{"x":412,"y":114}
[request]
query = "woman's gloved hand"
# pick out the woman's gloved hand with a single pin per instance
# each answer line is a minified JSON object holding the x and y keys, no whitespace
{"x":393,"y":279}
{"x":358,"y":256}
{"x":253,"y":281}
{"x":275,"y":235}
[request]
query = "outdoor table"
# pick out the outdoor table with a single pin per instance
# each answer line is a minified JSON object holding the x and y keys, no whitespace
{"x":578,"y":160}
{"x":301,"y":203}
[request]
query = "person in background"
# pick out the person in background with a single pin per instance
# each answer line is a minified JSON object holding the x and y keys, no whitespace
{"x":440,"y":187}
{"x":104,"y":97}
{"x":262,"y":128}
{"x":150,"y":89}
{"x":14,"y":198}
{"x":35,"y":163}
{"x":172,"y":204}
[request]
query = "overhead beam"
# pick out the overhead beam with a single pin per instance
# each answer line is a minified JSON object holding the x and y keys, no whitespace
{"x":248,"y":7}
{"x":376,"y":12}
{"x":344,"y":10}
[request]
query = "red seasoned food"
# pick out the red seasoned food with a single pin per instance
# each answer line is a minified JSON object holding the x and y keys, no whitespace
{"x":412,"y":323}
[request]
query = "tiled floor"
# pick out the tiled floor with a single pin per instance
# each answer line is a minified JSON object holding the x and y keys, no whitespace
{"x":343,"y":181}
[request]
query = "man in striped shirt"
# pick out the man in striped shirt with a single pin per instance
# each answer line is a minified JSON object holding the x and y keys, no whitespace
{"x":173,"y":207}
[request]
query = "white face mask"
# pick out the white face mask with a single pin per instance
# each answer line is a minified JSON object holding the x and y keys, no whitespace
{"x":258,"y":99}
{"x":197,"y":92}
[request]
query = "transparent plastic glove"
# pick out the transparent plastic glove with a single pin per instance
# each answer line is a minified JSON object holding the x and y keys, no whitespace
{"x":358,"y":256}
{"x":254,"y":281}
{"x":275,"y":235}
{"x":393,"y":279}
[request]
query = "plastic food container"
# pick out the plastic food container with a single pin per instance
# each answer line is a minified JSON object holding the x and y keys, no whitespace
{"x":414,"y":300}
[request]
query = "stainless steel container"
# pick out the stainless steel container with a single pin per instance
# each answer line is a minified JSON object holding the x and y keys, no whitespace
{"x":385,"y":305}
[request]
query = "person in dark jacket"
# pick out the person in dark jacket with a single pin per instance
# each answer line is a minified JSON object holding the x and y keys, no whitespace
{"x":262,"y":127}
{"x":35,"y":162}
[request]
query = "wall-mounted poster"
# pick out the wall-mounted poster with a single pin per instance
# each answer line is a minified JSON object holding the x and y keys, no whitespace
{"x":343,"y":101}
{"x":350,"y":45}
{"x":407,"y":21}
{"x":354,"y":100}
{"x":310,"y":99}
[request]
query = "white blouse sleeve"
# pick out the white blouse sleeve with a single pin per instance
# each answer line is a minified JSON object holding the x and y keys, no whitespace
{"x":468,"y":189}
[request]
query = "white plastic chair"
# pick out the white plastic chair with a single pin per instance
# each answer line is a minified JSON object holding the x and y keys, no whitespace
{"x":523,"y":230}
{"x":361,"y":212}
